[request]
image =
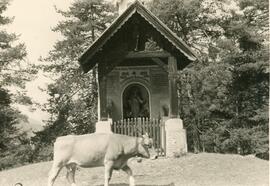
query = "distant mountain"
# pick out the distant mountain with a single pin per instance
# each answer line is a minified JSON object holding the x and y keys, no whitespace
{"x":35,"y":124}
{"x":35,"y":119}
{"x":31,"y":126}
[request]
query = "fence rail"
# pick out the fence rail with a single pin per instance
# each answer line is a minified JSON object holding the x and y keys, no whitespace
{"x":137,"y":126}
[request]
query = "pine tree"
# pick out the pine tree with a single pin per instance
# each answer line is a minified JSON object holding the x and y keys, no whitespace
{"x":223,"y":96}
{"x":73,"y":95}
{"x":13,"y":142}
{"x":249,"y":90}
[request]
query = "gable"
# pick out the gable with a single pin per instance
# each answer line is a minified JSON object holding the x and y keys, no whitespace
{"x":121,"y":37}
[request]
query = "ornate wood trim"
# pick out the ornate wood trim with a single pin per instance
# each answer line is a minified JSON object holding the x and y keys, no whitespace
{"x":148,"y":54}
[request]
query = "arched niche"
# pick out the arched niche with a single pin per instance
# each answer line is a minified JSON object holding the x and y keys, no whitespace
{"x":135,"y":101}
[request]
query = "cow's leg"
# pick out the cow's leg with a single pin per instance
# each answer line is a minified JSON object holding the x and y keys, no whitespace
{"x":128,"y":170}
{"x":54,"y":173}
{"x":71,"y":174}
{"x":108,"y":172}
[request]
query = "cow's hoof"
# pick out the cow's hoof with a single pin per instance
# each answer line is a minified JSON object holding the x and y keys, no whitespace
{"x":154,"y":157}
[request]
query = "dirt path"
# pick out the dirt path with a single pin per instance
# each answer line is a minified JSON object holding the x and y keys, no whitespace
{"x":192,"y":170}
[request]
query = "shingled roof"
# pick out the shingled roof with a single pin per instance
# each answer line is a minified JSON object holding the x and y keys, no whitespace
{"x":86,"y":60}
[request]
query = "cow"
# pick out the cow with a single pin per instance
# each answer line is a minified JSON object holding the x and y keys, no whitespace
{"x":98,"y":149}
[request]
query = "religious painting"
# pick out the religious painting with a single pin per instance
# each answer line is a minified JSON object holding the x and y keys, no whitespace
{"x":135,"y":102}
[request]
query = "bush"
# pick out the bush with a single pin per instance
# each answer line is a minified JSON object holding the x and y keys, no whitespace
{"x":241,"y":140}
{"x":42,"y":152}
{"x":17,"y":156}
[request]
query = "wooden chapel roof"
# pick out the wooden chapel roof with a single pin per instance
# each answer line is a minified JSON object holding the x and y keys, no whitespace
{"x":87,"y":60}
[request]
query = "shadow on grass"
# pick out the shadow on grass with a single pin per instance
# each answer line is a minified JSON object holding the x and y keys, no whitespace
{"x":125,"y":184}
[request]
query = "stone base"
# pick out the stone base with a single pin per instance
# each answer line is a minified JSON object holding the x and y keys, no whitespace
{"x":104,"y":126}
{"x":176,"y":141}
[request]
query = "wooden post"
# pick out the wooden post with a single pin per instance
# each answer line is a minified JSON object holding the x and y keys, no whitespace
{"x":172,"y":76}
{"x":102,"y":93}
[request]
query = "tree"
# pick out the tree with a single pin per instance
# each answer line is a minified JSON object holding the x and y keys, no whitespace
{"x":73,"y":95}
{"x":249,"y":90}
{"x":223,"y":96}
{"x":12,"y":72}
{"x":199,"y":25}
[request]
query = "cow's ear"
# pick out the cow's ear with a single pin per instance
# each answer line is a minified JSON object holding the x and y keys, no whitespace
{"x":146,"y":134}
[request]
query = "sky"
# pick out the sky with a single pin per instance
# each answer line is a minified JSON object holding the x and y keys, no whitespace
{"x":33,"y":20}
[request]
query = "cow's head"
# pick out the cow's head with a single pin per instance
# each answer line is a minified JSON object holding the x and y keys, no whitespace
{"x":144,"y":144}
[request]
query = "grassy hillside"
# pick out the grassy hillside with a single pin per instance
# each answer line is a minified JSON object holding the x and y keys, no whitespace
{"x":192,"y":170}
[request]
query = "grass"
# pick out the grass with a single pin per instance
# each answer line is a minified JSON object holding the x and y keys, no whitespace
{"x":205,"y":169}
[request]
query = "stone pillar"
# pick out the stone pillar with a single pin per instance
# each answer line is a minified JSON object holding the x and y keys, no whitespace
{"x":104,"y":126}
{"x":176,"y":140}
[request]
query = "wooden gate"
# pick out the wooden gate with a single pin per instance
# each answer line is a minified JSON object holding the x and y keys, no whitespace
{"x":137,"y":126}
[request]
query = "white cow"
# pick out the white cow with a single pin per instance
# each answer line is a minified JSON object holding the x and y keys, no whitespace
{"x":93,"y":150}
